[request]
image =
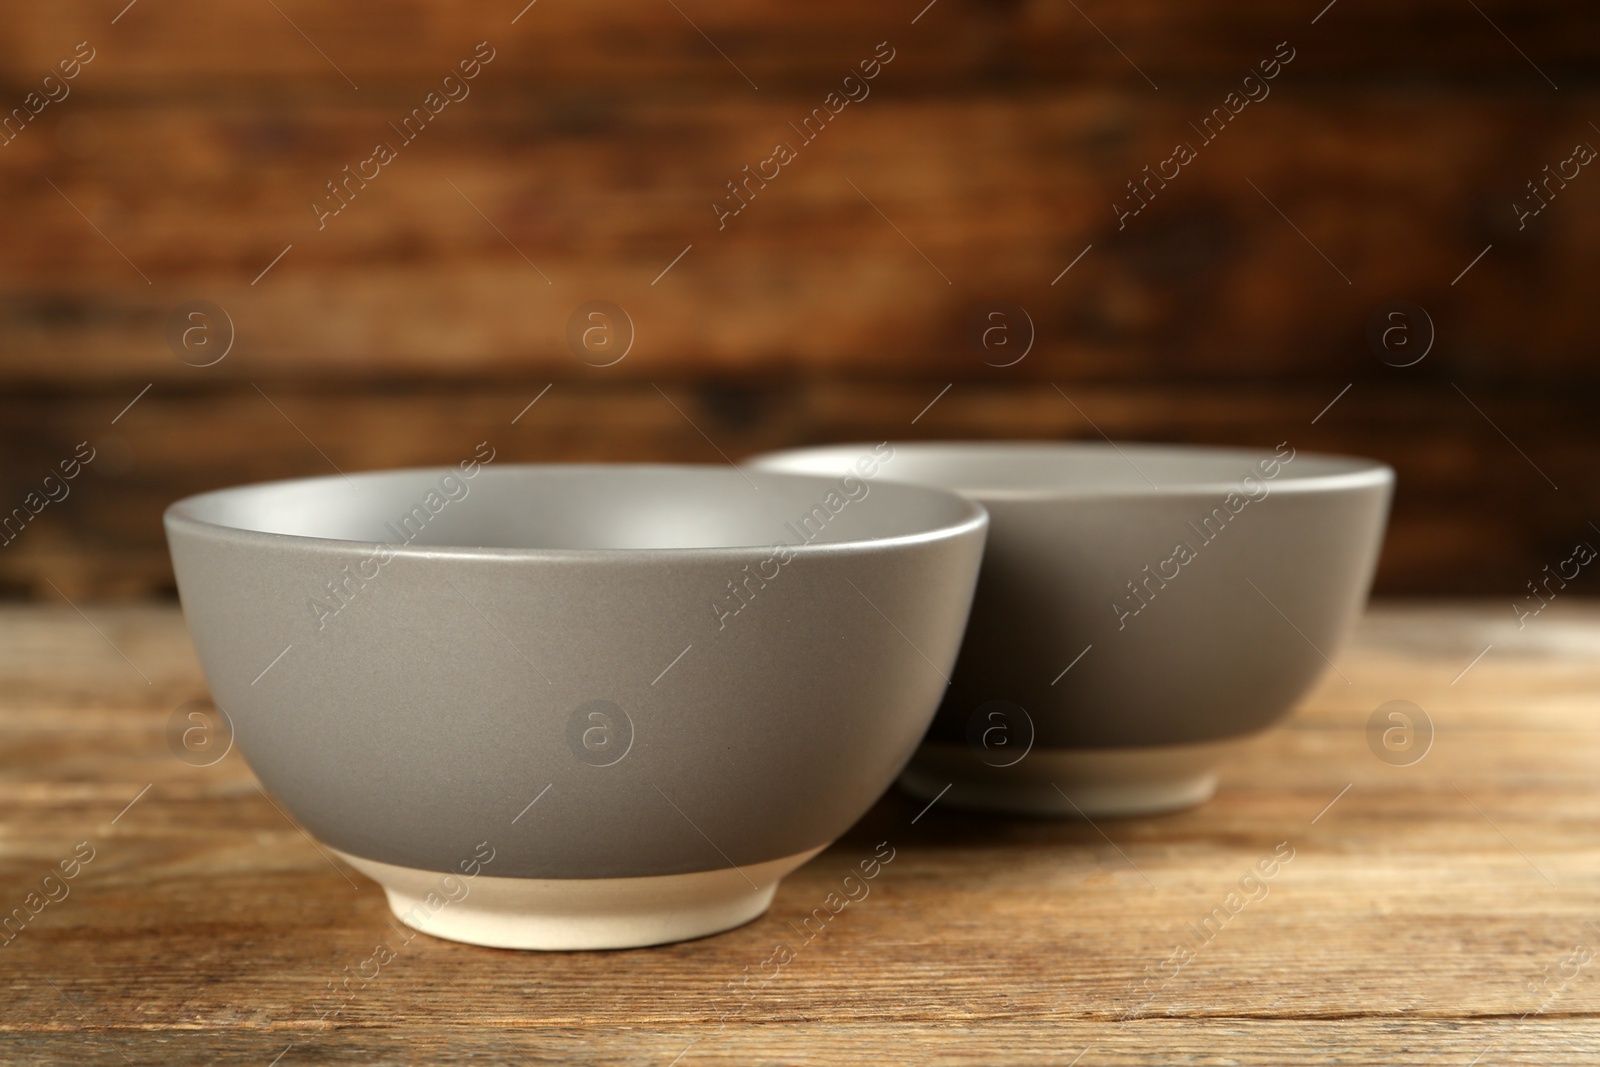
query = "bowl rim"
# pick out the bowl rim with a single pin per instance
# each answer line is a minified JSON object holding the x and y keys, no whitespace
{"x":178,"y":515}
{"x":1358,"y":472}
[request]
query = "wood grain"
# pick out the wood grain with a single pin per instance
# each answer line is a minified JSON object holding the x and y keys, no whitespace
{"x":168,"y":49}
{"x":1473,"y":511}
{"x":1419,"y":914}
{"x":1384,"y":165}
{"x":873,"y":254}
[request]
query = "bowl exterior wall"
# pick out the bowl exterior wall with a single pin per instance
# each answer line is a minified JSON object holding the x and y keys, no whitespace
{"x":1201,"y":622}
{"x":1199,"y":614}
{"x":409,"y":711}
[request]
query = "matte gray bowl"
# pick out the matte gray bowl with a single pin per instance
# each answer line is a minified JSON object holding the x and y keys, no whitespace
{"x":1141,"y":609}
{"x":577,"y":706}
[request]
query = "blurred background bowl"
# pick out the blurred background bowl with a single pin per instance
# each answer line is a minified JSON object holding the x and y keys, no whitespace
{"x":1140,"y":608}
{"x":1345,"y":266}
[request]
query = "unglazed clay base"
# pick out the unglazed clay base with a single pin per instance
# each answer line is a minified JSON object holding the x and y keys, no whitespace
{"x":1089,"y":782}
{"x":577,"y":913}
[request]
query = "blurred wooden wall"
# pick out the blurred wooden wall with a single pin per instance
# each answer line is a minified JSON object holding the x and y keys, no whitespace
{"x":424,"y":317}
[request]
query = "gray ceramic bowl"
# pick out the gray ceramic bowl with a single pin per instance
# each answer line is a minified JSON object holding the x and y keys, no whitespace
{"x":577,"y":706}
{"x":1141,"y":608}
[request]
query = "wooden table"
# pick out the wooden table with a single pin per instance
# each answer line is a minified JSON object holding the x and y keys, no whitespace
{"x":1441,"y":912}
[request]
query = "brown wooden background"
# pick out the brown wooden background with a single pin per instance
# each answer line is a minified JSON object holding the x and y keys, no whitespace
{"x":412,"y":327}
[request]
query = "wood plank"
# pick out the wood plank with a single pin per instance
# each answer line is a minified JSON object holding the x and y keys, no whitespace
{"x":1248,"y":1042}
{"x":1414,"y":923}
{"x":1472,"y":514}
{"x":993,"y":198}
{"x":178,"y":48}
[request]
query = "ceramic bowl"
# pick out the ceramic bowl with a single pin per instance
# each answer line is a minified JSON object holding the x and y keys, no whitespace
{"x":576,"y":706}
{"x":1141,"y":609}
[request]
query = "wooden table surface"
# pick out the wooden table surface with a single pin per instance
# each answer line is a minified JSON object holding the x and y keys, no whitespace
{"x":1441,"y":912}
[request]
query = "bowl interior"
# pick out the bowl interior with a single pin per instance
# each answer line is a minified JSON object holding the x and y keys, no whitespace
{"x":1002,"y":468}
{"x":583,"y":507}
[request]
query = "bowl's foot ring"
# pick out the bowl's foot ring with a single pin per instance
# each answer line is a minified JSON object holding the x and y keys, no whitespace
{"x":1080,"y":782}
{"x":577,"y":913}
